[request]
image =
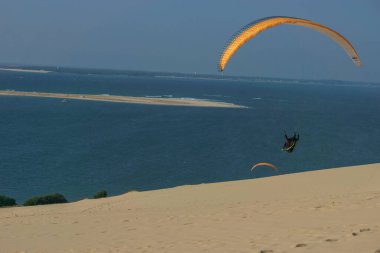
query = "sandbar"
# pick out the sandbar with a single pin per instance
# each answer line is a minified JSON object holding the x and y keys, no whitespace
{"x":40,"y":71}
{"x":125,"y":99}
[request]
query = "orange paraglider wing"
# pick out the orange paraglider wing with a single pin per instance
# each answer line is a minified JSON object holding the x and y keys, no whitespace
{"x":256,"y":27}
{"x":264,"y":164}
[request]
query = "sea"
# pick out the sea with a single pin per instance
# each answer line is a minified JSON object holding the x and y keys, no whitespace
{"x":78,"y":148}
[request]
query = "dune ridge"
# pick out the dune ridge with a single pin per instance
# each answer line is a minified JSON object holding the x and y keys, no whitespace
{"x":333,"y":210}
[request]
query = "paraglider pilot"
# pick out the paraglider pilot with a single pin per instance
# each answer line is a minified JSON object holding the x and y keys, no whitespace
{"x":290,"y":143}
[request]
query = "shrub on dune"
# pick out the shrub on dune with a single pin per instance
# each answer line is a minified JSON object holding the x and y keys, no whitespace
{"x":6,"y":201}
{"x":101,"y":194}
{"x":45,"y":200}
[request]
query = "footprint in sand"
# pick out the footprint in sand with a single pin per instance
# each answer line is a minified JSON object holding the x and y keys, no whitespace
{"x":301,"y":245}
{"x":377,"y":251}
{"x":365,"y":230}
{"x":331,"y":240}
{"x":266,"y":251}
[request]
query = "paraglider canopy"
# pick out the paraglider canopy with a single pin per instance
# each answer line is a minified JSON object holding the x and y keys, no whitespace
{"x":256,"y":27}
{"x":264,"y":164}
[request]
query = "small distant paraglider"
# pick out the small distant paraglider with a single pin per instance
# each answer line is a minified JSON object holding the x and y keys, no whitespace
{"x":256,"y":27}
{"x":290,"y":143}
{"x":264,"y":164}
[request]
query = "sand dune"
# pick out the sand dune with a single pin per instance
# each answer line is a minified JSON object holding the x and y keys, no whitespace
{"x":336,"y":210}
{"x":124,"y":99}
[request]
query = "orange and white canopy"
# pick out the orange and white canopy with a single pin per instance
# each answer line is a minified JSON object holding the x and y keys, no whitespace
{"x":253,"y":29}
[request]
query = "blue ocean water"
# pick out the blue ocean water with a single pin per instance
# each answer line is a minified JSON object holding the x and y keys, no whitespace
{"x":80,"y":147}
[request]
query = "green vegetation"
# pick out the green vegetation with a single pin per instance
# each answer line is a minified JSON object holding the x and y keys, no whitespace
{"x":101,"y":194}
{"x":6,"y":201}
{"x":54,"y":198}
{"x":45,"y":200}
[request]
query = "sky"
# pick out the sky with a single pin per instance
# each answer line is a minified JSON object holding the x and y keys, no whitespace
{"x":188,"y":36}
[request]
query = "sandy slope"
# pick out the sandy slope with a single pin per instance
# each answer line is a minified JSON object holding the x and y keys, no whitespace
{"x":123,"y":99}
{"x":335,"y":210}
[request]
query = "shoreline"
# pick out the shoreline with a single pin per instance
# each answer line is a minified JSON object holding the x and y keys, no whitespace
{"x":40,"y":71}
{"x":124,"y":99}
{"x":331,"y":210}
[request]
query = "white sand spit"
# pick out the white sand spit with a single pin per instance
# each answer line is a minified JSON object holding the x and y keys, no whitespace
{"x":40,"y":71}
{"x":124,"y":99}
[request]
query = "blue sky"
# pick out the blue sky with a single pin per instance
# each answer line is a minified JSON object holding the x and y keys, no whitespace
{"x":188,"y":36}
